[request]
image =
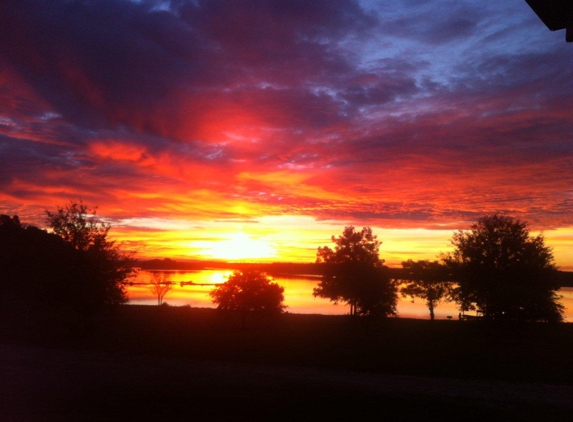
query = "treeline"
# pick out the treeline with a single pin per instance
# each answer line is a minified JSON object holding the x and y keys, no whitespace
{"x":274,"y":268}
{"x":564,"y":278}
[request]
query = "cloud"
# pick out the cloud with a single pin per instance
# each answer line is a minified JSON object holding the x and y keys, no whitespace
{"x":166,"y":72}
{"x":396,"y":114}
{"x":435,"y":23}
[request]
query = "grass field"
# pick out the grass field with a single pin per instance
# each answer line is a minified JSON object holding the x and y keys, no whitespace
{"x":170,"y":363}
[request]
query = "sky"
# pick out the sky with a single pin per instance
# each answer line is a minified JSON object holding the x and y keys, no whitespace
{"x":257,"y":129}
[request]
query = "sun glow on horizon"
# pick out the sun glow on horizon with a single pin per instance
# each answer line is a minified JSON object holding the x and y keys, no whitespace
{"x":239,"y":247}
{"x":219,"y":277}
{"x":292,"y":238}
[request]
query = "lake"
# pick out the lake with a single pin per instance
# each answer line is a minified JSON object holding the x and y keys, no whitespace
{"x":297,"y":293}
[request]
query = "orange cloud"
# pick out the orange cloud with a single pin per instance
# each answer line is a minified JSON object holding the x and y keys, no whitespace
{"x":121,"y":151}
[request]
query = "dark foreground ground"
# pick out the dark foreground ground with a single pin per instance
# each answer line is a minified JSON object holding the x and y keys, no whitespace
{"x":174,"y":364}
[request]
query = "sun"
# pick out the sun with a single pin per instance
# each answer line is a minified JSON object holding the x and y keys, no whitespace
{"x":240,"y":246}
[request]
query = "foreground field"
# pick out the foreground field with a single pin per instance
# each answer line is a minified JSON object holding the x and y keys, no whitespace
{"x":149,"y":363}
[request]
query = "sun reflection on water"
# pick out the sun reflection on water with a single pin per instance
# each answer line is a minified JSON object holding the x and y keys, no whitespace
{"x":297,"y":293}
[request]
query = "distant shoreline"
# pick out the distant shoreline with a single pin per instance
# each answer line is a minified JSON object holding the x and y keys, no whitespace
{"x":311,"y":270}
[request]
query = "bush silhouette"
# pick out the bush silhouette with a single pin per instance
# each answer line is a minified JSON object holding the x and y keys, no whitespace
{"x":249,"y":291}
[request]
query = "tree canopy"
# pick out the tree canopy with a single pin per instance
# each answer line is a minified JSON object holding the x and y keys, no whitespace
{"x":352,"y":246}
{"x":78,"y":225}
{"x":353,"y":273}
{"x":249,"y":290}
{"x":504,"y":272}
{"x":106,"y":266}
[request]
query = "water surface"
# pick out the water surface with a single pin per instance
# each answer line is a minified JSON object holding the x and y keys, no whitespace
{"x":298,"y":295}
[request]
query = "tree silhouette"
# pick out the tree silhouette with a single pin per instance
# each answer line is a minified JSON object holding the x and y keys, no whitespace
{"x":353,"y":273}
{"x":78,"y":226}
{"x":504,"y":272}
{"x":42,"y":277}
{"x":160,"y":285}
{"x":248,"y":291}
{"x":426,"y":280}
{"x":107,"y":268}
